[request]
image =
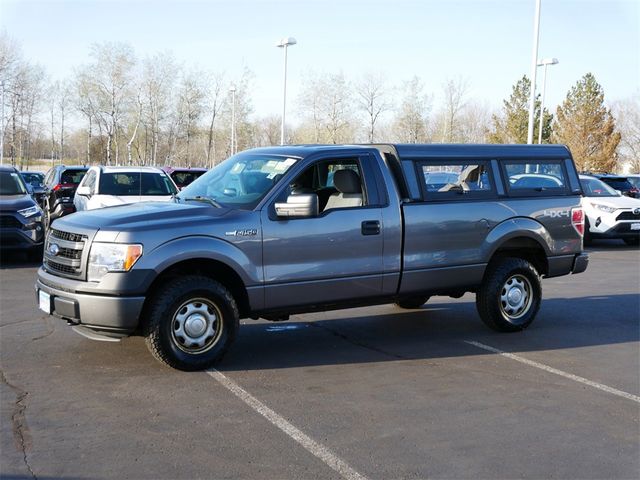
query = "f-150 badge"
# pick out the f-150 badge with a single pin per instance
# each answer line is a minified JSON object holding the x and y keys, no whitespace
{"x":247,"y":232}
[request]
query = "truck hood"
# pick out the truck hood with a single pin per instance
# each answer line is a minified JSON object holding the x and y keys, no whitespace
{"x":138,"y":216}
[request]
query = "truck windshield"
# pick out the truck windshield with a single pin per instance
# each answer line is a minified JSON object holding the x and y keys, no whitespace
{"x":241,"y":181}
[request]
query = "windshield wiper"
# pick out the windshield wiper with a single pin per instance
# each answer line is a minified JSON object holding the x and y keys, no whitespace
{"x":208,"y":200}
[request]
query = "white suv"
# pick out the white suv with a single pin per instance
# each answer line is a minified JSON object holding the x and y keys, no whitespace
{"x":110,"y":186}
{"x":608,"y":213}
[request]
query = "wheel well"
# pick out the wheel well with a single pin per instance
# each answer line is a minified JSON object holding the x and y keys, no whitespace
{"x":213,"y":269}
{"x":525,"y":248}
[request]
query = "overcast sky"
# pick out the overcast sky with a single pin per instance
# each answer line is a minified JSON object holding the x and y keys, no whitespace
{"x":489,"y":43}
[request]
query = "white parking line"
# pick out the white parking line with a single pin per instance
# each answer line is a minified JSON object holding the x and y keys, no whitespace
{"x":315,"y":448}
{"x":546,"y":368}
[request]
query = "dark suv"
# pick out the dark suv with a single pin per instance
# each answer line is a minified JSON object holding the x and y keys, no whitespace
{"x":20,"y":216}
{"x":620,"y":183}
{"x":60,"y":187}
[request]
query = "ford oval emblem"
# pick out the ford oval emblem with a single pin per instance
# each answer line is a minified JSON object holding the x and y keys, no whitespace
{"x":54,"y":249}
{"x":636,"y":211}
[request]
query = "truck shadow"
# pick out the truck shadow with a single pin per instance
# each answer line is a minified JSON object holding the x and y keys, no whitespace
{"x":438,"y":330}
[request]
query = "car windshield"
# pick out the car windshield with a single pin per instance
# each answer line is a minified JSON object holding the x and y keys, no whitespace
{"x":33,"y":178}
{"x":241,"y":181}
{"x":592,"y":187}
{"x":135,"y":184}
{"x":10,"y":184}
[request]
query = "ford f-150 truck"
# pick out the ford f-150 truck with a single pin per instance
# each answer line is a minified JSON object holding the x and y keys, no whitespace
{"x":282,"y":230}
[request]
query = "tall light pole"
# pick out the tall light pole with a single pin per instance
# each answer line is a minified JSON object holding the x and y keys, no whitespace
{"x":544,"y":62}
{"x":534,"y":67}
{"x":233,"y":119}
{"x":284,"y":44}
{"x":2,"y":126}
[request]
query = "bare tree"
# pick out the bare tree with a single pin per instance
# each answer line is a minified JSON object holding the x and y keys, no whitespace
{"x":454,"y":100}
{"x":112,"y":75}
{"x":410,"y":124}
{"x":190,"y":104}
{"x":627,"y":113}
{"x":372,"y":98}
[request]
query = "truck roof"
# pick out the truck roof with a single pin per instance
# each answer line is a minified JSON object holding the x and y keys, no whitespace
{"x":433,"y":150}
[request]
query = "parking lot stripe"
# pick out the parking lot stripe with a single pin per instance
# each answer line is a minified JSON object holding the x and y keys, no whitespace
{"x":315,"y":448}
{"x":546,"y":368}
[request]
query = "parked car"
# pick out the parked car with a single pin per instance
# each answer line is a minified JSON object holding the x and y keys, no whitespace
{"x":60,"y":186}
{"x":35,"y":185}
{"x":183,"y":177}
{"x":111,"y":186}
{"x":239,"y":244}
{"x":619,"y":182}
{"x":608,"y":214}
{"x":20,"y":215}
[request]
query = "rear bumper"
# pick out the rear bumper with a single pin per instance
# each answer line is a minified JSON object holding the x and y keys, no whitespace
{"x":566,"y":264}
{"x":110,"y":316}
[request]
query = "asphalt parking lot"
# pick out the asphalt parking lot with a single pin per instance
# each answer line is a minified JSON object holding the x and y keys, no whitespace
{"x":365,"y":393}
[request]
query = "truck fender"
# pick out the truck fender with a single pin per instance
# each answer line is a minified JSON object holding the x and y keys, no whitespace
{"x":516,"y":228}
{"x":201,"y":246}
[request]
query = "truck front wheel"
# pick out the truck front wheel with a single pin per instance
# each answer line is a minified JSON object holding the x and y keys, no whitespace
{"x":191,"y":322}
{"x":510,"y":295}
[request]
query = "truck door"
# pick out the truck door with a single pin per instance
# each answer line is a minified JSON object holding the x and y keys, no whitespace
{"x":332,"y":257}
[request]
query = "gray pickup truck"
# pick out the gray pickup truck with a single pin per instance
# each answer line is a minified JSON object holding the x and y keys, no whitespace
{"x":282,"y":230}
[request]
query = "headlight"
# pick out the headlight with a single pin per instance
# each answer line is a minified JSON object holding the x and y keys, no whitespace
{"x":111,"y":257}
{"x":30,"y":212}
{"x":604,"y":208}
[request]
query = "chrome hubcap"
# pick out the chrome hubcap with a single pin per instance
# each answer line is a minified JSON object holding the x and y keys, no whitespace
{"x":196,"y":326}
{"x":515,"y":297}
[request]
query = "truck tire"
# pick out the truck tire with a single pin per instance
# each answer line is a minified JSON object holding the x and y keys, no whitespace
{"x":412,"y":303}
{"x":191,"y":323}
{"x":510,"y":295}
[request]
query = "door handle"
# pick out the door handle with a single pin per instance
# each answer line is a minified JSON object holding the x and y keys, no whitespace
{"x":371,"y":227}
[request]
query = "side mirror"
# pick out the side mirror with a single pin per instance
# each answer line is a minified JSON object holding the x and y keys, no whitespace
{"x":298,"y":206}
{"x":84,"y":191}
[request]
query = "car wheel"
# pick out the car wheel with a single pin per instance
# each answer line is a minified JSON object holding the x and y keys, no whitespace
{"x":632,"y":241}
{"x":510,"y":295}
{"x":412,"y":303}
{"x":191,"y":322}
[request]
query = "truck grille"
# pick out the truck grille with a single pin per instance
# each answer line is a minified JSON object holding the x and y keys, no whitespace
{"x":9,"y":221}
{"x":67,"y":260}
{"x":628,"y":216}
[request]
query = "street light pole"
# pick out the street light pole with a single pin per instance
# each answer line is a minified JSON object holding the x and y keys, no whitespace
{"x":544,"y":62}
{"x":233,"y":119}
{"x":534,"y":67}
{"x":2,"y":126}
{"x":284,"y":43}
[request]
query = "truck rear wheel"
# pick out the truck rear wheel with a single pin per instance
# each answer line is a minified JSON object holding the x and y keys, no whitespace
{"x":191,"y":322}
{"x":510,"y":295}
{"x":412,"y":303}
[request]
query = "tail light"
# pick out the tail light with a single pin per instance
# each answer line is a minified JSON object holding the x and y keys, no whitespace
{"x":577,"y":220}
{"x":63,"y":185}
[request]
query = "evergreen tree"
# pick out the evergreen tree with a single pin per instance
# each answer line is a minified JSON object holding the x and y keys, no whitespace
{"x":587,"y":127}
{"x":512,"y":126}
